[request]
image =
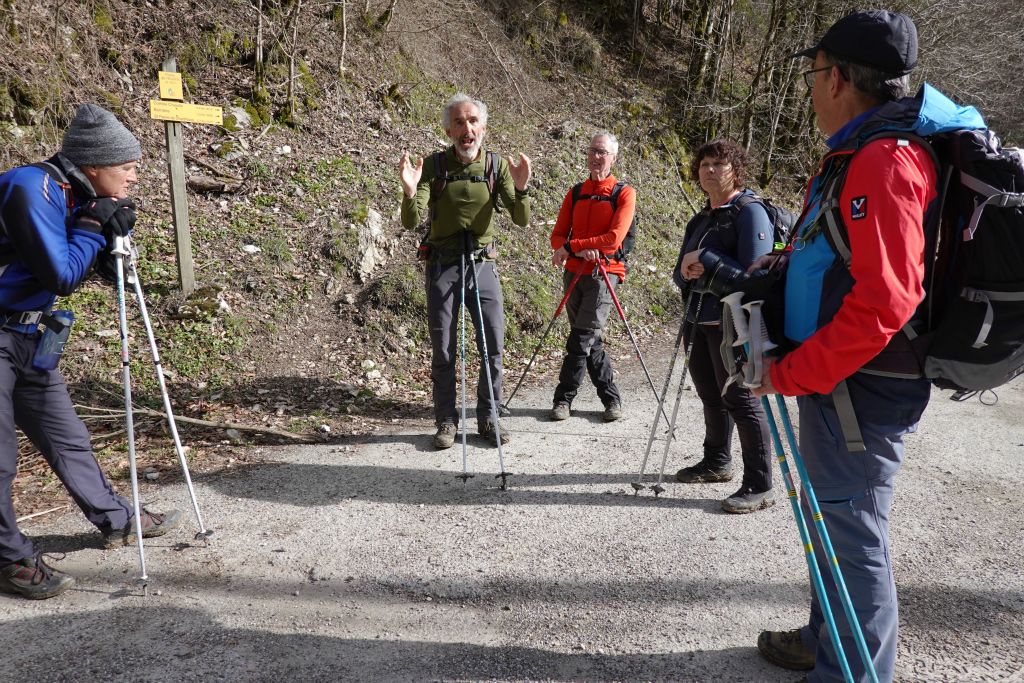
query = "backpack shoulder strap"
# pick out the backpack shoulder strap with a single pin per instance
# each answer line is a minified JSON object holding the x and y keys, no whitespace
{"x":577,"y":193}
{"x":58,"y":175}
{"x":835,"y":229}
{"x":439,"y":161}
{"x":615,"y":194}
{"x":492,"y":164}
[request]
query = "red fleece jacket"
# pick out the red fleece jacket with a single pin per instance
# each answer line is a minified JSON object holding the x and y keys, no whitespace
{"x":594,"y":225}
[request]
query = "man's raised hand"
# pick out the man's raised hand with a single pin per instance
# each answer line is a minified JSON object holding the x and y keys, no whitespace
{"x":410,"y":174}
{"x":520,"y":172}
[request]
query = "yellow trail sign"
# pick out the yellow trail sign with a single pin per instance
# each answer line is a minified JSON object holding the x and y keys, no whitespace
{"x":170,"y":85}
{"x":187,"y":113}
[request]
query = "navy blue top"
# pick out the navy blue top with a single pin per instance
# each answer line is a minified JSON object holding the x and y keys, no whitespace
{"x":739,"y":237}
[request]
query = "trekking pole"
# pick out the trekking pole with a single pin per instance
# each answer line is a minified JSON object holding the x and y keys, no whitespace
{"x":133,"y":277}
{"x":503,"y":475}
{"x":120,"y":251}
{"x":637,"y":484}
{"x":658,"y":488}
{"x":805,"y":539}
{"x":558,"y":312}
{"x":629,"y":331}
{"x":826,"y":541}
{"x":465,"y":476}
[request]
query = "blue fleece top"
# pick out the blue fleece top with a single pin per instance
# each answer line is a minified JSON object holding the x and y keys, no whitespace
{"x":45,"y":257}
{"x":752,"y":236}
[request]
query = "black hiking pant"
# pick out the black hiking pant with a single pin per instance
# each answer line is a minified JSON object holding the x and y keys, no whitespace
{"x":737,"y":406}
{"x":587,"y":307}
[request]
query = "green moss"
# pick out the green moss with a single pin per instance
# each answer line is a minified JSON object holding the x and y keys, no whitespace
{"x":101,"y":17}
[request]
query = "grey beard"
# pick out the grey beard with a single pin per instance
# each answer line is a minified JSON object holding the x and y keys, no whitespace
{"x":474,"y":152}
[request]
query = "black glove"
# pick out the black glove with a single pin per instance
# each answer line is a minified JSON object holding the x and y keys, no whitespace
{"x":107,"y":215}
{"x":106,"y":266}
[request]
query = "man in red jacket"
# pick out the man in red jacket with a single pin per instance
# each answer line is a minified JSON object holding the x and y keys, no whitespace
{"x":845,"y":309}
{"x":591,"y":225}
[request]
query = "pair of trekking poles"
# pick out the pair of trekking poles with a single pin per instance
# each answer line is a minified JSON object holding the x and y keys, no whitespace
{"x":599,"y":268}
{"x":125,"y":255}
{"x":751,"y":332}
{"x":472,"y":256}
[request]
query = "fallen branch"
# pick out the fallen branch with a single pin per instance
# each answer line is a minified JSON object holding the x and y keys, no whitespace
{"x":205,"y":423}
{"x":39,"y":514}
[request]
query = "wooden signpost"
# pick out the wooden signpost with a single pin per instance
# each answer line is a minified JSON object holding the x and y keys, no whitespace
{"x":171,"y":109}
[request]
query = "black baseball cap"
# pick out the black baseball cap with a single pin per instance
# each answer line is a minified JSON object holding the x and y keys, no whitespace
{"x":882,"y":40}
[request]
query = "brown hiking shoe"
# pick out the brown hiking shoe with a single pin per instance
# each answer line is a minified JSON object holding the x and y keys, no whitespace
{"x":485,"y":428}
{"x":34,"y":579}
{"x":612,"y":412}
{"x":445,"y":436}
{"x":560,"y":411}
{"x":786,"y":649}
{"x":153,"y":524}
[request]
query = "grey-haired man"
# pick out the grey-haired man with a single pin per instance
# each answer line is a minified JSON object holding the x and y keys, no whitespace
{"x":461,"y":224}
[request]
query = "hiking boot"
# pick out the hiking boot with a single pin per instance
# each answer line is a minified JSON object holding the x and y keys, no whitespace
{"x":786,"y":649}
{"x":560,"y":411}
{"x":485,"y":428}
{"x":612,"y":412}
{"x":445,"y":436}
{"x":704,"y":472}
{"x":153,"y":524}
{"x":745,"y":500}
{"x":34,"y":579}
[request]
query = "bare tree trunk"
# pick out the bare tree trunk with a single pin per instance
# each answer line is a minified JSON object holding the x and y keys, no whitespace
{"x":344,"y":36}
{"x":292,"y":108}
{"x":765,"y":69}
{"x":259,"y":67}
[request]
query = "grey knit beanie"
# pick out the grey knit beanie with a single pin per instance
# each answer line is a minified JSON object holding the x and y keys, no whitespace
{"x":96,"y":138}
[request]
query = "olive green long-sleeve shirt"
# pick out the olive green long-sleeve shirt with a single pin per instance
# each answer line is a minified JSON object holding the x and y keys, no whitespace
{"x":464,"y":204}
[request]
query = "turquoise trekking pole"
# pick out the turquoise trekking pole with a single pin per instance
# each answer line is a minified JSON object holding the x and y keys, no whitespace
{"x":826,"y":542}
{"x":753,"y":336}
{"x":805,"y":538}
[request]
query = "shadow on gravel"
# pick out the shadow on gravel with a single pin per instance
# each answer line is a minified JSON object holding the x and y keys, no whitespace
{"x":194,"y":647}
{"x":317,"y":485}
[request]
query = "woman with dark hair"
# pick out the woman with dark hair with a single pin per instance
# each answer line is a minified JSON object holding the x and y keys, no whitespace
{"x":730,"y":232}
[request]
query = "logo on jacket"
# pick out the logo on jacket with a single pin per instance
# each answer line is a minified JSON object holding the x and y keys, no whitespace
{"x":858,"y":207}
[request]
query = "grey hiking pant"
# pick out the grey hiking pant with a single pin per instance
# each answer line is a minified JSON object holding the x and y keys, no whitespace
{"x":855,"y":493}
{"x":38,"y":402}
{"x":442,"y":282}
{"x":588,"y":307}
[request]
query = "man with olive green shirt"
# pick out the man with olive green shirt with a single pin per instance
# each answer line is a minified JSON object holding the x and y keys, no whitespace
{"x":461,"y":222}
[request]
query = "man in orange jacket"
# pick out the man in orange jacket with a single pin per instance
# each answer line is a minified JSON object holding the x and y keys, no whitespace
{"x":592,"y":224}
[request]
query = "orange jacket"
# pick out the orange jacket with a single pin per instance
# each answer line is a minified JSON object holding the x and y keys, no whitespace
{"x":593,"y":225}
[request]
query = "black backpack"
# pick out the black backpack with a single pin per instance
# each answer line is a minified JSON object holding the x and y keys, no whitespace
{"x":968,"y":333}
{"x":782,"y":219}
{"x":492,"y":164}
{"x":626,"y":248}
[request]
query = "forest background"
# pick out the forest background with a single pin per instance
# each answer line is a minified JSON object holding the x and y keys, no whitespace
{"x":309,"y":319}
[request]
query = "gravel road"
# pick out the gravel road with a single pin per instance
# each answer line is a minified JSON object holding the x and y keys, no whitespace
{"x":369,"y":561}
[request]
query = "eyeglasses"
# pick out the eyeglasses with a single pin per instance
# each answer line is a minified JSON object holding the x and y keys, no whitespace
{"x":599,"y":153}
{"x":809,"y":75}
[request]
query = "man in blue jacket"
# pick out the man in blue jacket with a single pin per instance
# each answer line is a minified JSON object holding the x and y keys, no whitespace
{"x":56,"y":219}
